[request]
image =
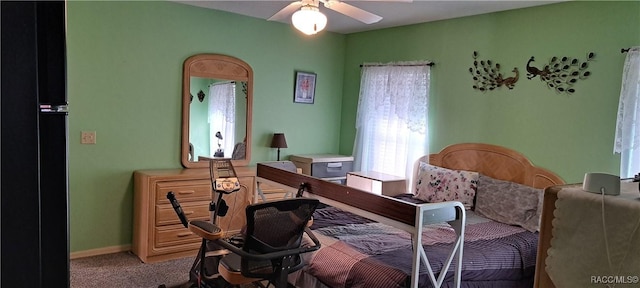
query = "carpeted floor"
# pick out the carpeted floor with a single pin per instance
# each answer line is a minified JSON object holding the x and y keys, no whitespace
{"x":126,"y":270}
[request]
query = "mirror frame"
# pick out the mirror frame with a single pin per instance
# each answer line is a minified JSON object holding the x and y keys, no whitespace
{"x":215,"y":66}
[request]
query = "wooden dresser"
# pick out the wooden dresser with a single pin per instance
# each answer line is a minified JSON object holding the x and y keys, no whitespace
{"x":158,"y":234}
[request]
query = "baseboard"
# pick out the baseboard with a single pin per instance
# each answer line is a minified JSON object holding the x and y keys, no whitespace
{"x":99,"y":251}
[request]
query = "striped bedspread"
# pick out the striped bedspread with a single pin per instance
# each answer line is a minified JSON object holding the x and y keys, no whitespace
{"x":357,"y":252}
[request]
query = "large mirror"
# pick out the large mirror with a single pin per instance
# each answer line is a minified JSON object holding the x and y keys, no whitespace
{"x":217,"y":97}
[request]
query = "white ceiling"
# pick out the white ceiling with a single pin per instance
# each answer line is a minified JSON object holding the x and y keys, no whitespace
{"x":393,"y":13}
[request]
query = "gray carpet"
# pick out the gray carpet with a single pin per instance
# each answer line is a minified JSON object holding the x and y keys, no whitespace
{"x":126,"y":270}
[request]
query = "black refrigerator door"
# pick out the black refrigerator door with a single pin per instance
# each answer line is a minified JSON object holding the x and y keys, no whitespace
{"x":52,"y":127}
{"x":34,"y":199}
{"x":54,"y":200}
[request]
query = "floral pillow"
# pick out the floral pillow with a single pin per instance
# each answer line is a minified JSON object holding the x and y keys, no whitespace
{"x":509,"y":202}
{"x":438,"y":184}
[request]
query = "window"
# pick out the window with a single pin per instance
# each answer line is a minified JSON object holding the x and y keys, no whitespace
{"x":627,"y":141}
{"x":391,"y":121}
{"x":222,"y":117}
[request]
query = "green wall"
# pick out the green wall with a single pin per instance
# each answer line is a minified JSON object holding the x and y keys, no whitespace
{"x":125,"y":81}
{"x":568,"y":134}
{"x":125,"y":70}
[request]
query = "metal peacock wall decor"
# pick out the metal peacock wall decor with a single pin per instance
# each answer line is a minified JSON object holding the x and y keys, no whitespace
{"x":487,"y":75}
{"x":561,"y":73}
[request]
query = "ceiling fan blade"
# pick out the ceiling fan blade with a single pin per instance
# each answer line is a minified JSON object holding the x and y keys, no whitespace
{"x":286,"y":12}
{"x":353,"y":12}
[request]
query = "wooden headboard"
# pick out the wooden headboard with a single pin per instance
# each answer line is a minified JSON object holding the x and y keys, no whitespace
{"x":494,"y":161}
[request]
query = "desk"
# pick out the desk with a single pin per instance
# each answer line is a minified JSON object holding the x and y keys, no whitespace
{"x":377,"y":183}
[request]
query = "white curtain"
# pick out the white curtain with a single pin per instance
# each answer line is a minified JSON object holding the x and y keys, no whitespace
{"x":627,"y":141}
{"x":391,"y":121}
{"x":222,"y":116}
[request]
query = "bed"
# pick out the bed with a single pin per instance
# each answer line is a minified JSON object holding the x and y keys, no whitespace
{"x":361,"y":249}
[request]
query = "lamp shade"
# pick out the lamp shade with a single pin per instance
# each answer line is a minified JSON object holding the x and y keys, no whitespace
{"x":309,"y":20}
{"x":278,"y":141}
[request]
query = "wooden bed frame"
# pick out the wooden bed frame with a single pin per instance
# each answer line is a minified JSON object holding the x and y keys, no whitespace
{"x":491,"y":160}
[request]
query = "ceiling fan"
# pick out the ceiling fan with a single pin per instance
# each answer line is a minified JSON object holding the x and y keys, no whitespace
{"x":310,"y":20}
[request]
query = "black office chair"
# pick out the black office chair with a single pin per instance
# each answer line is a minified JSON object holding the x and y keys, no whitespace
{"x":272,"y":243}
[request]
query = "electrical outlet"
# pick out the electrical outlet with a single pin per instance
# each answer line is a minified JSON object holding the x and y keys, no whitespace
{"x":88,"y":137}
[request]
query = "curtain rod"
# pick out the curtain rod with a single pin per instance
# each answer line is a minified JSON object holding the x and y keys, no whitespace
{"x":399,"y":65}
{"x":623,"y":50}
{"x":223,"y":82}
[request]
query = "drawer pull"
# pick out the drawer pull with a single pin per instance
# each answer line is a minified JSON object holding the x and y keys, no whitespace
{"x":187,"y":212}
{"x":183,"y":192}
{"x":185,"y":234}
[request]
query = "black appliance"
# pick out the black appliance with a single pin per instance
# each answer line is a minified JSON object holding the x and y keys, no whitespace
{"x":34,"y":177}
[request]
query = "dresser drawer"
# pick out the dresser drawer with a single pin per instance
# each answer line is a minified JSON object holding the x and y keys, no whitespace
{"x":166,"y":236}
{"x":197,"y":190}
{"x":323,"y":165}
{"x":331,"y":169}
{"x":165,"y":215}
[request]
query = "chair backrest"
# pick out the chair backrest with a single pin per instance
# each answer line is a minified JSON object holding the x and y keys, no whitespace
{"x":239,"y":151}
{"x":275,"y":226}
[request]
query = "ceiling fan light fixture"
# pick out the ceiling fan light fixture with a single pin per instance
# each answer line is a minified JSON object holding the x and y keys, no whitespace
{"x":309,"y":20}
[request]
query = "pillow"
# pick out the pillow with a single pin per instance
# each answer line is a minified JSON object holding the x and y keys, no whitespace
{"x":438,"y":184}
{"x":508,"y":202}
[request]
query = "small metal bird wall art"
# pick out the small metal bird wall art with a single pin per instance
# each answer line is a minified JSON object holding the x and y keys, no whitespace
{"x":561,"y":73}
{"x":487,"y":75}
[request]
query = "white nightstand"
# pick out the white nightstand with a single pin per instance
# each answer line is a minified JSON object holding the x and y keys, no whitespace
{"x":377,"y":183}
{"x":329,"y":167}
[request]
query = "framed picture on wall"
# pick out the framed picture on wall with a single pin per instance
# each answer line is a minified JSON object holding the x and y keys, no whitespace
{"x":305,"y":88}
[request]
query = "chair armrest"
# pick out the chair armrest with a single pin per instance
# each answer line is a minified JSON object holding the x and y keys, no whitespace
{"x":316,"y":242}
{"x":205,"y":229}
{"x":272,"y":255}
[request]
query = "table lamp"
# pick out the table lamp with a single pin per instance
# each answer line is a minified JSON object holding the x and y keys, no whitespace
{"x":219,"y":152}
{"x":278,"y":141}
